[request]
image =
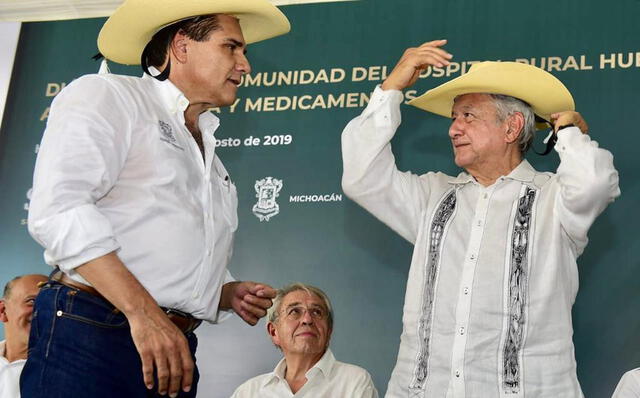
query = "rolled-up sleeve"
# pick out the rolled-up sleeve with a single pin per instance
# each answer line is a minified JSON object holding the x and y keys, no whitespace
{"x":370,"y":176}
{"x":588,"y":183}
{"x":83,"y":149}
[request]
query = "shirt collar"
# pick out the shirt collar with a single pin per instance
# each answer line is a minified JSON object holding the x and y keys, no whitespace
{"x":176,"y":103}
{"x":3,"y":346}
{"x":323,"y":366}
{"x":524,"y":172}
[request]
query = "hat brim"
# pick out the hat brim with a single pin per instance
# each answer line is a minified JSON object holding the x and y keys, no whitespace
{"x":126,"y":33}
{"x":540,"y":89}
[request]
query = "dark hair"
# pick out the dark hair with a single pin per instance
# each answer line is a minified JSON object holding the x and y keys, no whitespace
{"x":196,"y":28}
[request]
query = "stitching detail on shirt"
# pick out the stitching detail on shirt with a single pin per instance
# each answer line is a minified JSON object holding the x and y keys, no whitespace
{"x":436,"y":236}
{"x":518,"y":289}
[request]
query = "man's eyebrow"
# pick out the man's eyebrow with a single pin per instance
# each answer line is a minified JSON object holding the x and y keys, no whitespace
{"x":297,"y":303}
{"x":237,"y":43}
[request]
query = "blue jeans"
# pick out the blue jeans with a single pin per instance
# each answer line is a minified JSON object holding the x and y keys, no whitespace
{"x":80,"y":346}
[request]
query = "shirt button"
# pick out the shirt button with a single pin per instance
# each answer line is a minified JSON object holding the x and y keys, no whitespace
{"x":486,"y":195}
{"x":479,"y":223}
{"x":472,"y":257}
{"x":59,"y":313}
{"x":466,"y":290}
{"x":457,"y":373}
{"x":209,"y":252}
{"x":462,"y":331}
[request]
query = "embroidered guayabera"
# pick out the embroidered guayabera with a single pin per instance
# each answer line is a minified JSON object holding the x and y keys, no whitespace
{"x":436,"y":235}
{"x":518,"y":286}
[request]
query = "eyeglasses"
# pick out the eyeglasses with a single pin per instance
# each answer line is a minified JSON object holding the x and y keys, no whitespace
{"x":296,"y":313}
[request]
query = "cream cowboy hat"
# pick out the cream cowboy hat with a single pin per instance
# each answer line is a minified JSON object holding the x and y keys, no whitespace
{"x":540,"y":89}
{"x":130,"y":28}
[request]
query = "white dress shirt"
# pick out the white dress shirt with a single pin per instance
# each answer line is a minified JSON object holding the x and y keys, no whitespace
{"x":487,"y":310}
{"x":118,"y":170}
{"x":9,"y":374}
{"x":328,"y":378}
{"x":629,"y":385}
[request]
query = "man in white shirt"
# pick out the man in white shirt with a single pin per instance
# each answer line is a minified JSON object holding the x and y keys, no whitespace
{"x":487,"y":309}
{"x":629,"y":385}
{"x":133,"y":206}
{"x":300,"y":324}
{"x":16,"y":307}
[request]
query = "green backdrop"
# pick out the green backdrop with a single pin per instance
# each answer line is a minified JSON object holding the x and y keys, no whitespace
{"x":591,"y":46}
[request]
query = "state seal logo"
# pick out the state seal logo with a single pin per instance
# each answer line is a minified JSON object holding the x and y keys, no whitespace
{"x":267,"y":190}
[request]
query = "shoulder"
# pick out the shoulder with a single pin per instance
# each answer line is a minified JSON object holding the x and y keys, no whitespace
{"x":101,"y":86}
{"x":354,"y":373}
{"x":251,"y":387}
{"x":632,"y":377}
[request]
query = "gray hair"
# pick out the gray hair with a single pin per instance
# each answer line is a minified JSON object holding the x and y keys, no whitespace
{"x":507,"y":106}
{"x":7,"y":288}
{"x":274,"y":311}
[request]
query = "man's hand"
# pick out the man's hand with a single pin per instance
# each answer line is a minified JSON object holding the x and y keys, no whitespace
{"x":162,"y":346}
{"x":414,"y":61}
{"x":249,"y":300}
{"x":159,"y":342}
{"x":569,"y":117}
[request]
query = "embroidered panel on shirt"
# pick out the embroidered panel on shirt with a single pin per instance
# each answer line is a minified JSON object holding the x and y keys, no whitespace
{"x":517,"y":293}
{"x":166,"y":134}
{"x":436,"y":235}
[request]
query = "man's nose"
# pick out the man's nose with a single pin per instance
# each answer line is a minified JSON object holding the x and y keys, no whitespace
{"x":243,"y":65}
{"x":456,"y":129}
{"x":307,"y":319}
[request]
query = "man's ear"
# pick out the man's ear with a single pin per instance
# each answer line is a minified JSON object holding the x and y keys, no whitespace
{"x":515,"y":124}
{"x":179,"y":46}
{"x":3,"y":312}
{"x":271,"y":329}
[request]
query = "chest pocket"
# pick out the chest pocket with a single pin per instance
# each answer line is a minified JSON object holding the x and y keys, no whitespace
{"x":228,"y":194}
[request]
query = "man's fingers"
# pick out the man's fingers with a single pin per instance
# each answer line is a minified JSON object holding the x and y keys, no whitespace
{"x":187,"y":371}
{"x":162,"y":371}
{"x":434,"y":43}
{"x":147,"y":369}
{"x":176,"y":371}
{"x":248,"y":317}
{"x":266,"y":291}
{"x":258,"y":302}
{"x":254,"y":310}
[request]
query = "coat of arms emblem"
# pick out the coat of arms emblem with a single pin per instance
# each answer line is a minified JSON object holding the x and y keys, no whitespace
{"x":267,"y":190}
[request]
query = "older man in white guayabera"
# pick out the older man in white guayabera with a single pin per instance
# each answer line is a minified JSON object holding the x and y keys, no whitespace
{"x":133,"y":205}
{"x":487,"y":310}
{"x":16,"y":309}
{"x":300,"y":324}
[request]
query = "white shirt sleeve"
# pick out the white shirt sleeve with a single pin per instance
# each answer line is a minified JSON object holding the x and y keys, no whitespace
{"x":588,"y":183}
{"x":370,"y":176}
{"x":366,"y":389}
{"x":83,"y":149}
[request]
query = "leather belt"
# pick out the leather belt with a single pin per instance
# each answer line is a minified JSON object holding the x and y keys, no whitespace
{"x":185,"y":322}
{"x":62,"y":278}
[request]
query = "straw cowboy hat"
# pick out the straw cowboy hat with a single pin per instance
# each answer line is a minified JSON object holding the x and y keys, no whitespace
{"x":130,"y":28}
{"x":540,"y":89}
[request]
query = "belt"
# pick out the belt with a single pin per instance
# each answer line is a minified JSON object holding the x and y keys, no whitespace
{"x":185,"y":322}
{"x":63,"y":279}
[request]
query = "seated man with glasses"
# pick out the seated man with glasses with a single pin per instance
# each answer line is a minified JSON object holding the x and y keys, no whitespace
{"x":300,"y":323}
